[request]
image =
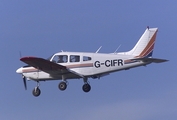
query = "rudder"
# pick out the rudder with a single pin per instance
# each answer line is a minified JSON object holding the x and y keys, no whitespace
{"x":144,"y":47}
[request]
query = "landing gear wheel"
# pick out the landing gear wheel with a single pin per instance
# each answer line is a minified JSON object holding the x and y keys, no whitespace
{"x":62,"y":86}
{"x":86,"y":87}
{"x":36,"y":92}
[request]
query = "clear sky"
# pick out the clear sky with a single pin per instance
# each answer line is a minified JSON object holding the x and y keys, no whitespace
{"x":41,"y":28}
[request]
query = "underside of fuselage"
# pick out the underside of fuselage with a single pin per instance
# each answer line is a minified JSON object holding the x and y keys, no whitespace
{"x":43,"y":76}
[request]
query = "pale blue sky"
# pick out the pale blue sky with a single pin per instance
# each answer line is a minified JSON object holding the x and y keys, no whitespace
{"x":41,"y":28}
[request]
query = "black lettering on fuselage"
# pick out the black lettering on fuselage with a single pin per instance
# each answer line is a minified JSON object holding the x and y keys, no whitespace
{"x":97,"y":64}
{"x":120,"y":62}
{"x":114,"y":62}
{"x":109,"y":63}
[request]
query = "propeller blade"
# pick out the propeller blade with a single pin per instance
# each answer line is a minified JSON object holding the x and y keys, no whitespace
{"x":24,"y":81}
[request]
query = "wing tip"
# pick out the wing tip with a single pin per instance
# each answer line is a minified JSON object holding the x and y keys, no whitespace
{"x":27,"y":58}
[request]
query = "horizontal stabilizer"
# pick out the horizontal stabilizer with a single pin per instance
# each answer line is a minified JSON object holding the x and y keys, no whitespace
{"x":155,"y":60}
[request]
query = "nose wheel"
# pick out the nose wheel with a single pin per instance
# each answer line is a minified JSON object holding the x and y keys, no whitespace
{"x":36,"y":91}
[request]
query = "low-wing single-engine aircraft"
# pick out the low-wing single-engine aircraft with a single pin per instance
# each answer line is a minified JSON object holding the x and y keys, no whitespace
{"x":74,"y":65}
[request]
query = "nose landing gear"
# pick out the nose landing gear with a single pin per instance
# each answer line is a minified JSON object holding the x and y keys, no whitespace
{"x":36,"y":91}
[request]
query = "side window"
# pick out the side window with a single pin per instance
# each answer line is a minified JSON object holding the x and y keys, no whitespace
{"x":86,"y":58}
{"x":60,"y":59}
{"x":74,"y":58}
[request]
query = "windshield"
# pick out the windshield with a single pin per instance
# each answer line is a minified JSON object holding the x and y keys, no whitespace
{"x":60,"y":59}
{"x":49,"y":58}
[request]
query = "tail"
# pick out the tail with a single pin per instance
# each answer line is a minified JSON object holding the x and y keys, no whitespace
{"x":145,"y":46}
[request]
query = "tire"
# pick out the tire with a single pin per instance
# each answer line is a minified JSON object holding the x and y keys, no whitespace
{"x":86,"y":87}
{"x":62,"y":86}
{"x":36,"y":92}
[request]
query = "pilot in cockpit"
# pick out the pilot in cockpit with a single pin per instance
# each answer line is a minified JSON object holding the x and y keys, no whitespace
{"x":60,"y":59}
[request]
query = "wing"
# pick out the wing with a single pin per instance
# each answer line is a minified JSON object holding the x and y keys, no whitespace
{"x":45,"y":65}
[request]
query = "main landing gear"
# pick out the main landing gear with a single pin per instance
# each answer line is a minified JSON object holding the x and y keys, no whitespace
{"x":86,"y":87}
{"x":62,"y":86}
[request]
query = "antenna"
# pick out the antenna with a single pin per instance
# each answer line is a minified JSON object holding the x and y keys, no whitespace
{"x":98,"y":49}
{"x":117,"y":48}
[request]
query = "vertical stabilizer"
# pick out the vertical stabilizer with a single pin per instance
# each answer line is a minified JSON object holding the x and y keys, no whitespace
{"x":144,"y":47}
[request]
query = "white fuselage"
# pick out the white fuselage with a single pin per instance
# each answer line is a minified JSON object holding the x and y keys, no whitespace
{"x":97,"y":65}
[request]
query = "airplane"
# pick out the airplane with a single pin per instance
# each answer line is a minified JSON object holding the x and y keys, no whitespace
{"x":75,"y":65}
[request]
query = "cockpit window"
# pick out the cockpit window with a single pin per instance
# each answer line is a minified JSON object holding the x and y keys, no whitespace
{"x":49,"y":57}
{"x":74,"y":58}
{"x":86,"y":58}
{"x":60,"y":59}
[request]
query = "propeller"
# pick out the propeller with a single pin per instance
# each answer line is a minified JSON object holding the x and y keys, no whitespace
{"x":24,"y":78}
{"x":24,"y":81}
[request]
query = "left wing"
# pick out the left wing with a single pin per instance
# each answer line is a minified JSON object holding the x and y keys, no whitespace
{"x":46,"y":66}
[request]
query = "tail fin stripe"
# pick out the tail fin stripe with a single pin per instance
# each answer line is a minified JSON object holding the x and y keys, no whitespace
{"x":149,"y":47}
{"x":147,"y":53}
{"x":145,"y":45}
